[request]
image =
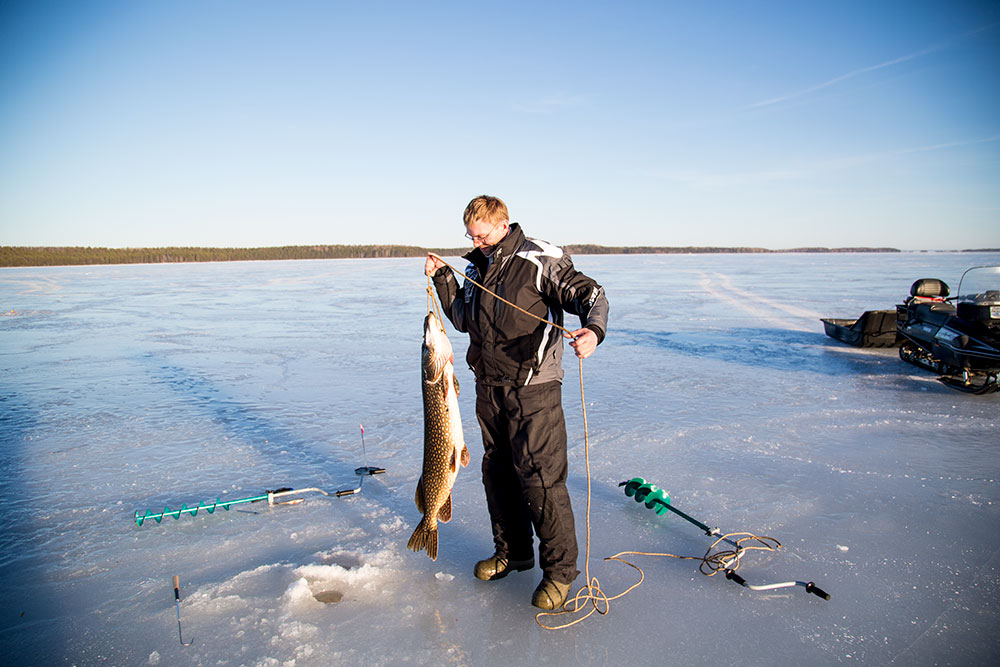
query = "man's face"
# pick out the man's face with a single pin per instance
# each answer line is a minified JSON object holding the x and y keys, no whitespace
{"x":484,"y":233}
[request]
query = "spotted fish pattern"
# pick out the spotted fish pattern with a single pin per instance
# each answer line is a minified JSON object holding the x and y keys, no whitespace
{"x":444,"y":444}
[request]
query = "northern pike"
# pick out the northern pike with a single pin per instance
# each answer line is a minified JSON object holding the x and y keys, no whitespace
{"x":444,"y":445}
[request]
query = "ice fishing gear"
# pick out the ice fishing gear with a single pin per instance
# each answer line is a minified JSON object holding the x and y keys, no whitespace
{"x":712,"y":563}
{"x":366,"y":471}
{"x":362,"y":472}
{"x":273,"y":497}
{"x":177,"y":601}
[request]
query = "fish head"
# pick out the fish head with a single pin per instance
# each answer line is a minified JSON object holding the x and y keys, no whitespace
{"x":436,"y":348}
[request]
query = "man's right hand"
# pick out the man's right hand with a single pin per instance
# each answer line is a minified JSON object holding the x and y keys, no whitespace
{"x":432,"y":264}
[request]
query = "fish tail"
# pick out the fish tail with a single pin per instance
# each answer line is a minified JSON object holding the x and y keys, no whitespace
{"x":425,"y":537}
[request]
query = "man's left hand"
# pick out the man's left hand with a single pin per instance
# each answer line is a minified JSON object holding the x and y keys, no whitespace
{"x":585,"y":343}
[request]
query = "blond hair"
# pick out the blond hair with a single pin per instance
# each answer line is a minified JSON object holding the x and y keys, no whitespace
{"x":486,"y":208}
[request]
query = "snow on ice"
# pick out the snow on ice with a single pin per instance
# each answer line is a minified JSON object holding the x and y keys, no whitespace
{"x":138,"y":387}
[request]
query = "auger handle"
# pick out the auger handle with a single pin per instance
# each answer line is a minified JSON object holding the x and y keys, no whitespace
{"x":177,"y":587}
{"x":732,"y":576}
{"x":816,"y":590}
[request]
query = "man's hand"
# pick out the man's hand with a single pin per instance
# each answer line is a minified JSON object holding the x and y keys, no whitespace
{"x":585,"y":343}
{"x":432,"y":264}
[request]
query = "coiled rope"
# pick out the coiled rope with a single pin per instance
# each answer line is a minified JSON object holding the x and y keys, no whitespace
{"x":591,"y":594}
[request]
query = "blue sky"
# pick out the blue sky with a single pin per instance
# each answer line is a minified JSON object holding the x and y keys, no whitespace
{"x":259,"y":123}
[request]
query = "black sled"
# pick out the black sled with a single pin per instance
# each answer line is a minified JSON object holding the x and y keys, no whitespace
{"x":956,"y":337}
{"x":875,"y":328}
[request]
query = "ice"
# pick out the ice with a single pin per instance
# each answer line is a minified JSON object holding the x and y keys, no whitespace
{"x":137,"y":387}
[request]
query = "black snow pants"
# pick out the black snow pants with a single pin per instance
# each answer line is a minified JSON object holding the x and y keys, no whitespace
{"x":524,"y":473}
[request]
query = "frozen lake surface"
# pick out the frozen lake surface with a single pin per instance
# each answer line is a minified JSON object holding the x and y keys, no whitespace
{"x":134,"y":387}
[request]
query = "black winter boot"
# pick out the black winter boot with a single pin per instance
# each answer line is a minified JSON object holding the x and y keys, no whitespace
{"x":498,"y":567}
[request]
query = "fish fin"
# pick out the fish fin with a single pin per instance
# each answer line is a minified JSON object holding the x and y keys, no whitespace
{"x":419,"y":495}
{"x":453,"y":464}
{"x":444,"y":514}
{"x":431,"y":545}
{"x":424,"y":538}
{"x":455,"y":380}
{"x":466,"y":457}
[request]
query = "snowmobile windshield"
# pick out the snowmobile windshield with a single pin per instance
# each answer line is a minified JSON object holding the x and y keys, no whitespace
{"x":980,"y":285}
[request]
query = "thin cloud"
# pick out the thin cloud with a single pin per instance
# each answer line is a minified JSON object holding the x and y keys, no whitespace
{"x":871,"y":68}
{"x":950,"y":144}
{"x":705,"y":180}
{"x":843,"y":77}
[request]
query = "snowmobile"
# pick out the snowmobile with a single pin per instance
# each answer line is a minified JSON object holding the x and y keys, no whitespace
{"x":957,"y":337}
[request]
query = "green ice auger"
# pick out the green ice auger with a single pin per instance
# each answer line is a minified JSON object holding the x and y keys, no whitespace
{"x":658,"y":500}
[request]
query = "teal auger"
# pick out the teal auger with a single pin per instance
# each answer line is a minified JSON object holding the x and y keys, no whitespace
{"x":658,"y":500}
{"x":272,"y":497}
{"x":210,"y":507}
{"x":655,"y":498}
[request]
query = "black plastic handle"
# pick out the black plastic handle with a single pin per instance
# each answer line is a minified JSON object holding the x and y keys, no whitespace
{"x":816,"y":590}
{"x":735,"y":577}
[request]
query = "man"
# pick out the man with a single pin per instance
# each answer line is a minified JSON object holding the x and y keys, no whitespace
{"x":517,"y":361}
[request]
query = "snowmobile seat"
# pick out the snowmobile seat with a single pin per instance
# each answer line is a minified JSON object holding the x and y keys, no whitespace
{"x":927,"y":301}
{"x":929,"y":288}
{"x":933,"y":312}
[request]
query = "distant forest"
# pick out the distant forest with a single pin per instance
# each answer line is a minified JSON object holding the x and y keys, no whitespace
{"x":63,"y":256}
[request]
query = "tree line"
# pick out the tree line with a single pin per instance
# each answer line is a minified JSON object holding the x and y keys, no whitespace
{"x":80,"y":255}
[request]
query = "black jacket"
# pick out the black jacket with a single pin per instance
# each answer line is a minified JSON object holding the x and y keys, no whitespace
{"x":506,"y":347}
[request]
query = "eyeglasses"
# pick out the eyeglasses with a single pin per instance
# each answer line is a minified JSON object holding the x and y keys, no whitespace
{"x":481,"y":238}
